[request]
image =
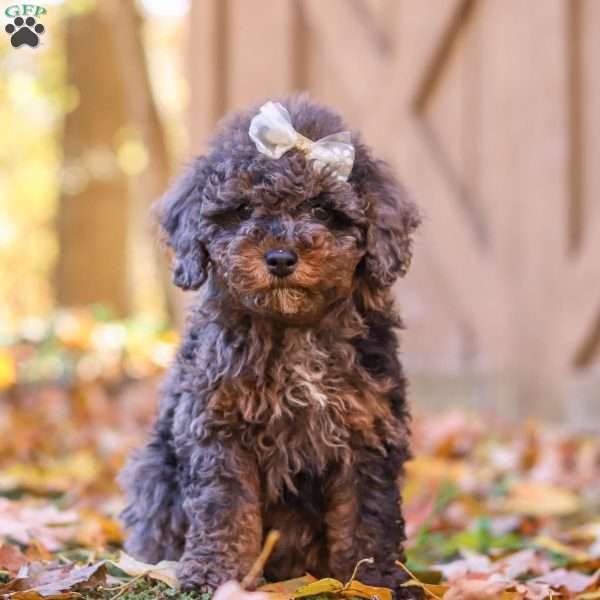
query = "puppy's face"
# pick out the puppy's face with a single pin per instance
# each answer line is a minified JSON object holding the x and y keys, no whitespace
{"x":286,"y":248}
{"x":281,"y":239}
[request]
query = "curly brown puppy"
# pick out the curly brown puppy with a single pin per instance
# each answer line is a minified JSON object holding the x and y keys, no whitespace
{"x":285,"y":408}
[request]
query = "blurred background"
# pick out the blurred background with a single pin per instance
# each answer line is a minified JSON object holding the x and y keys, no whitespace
{"x":488,"y":110}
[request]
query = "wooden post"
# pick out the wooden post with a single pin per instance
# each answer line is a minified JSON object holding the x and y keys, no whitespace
{"x":93,"y":213}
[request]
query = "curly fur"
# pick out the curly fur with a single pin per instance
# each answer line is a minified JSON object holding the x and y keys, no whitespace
{"x":285,"y":408}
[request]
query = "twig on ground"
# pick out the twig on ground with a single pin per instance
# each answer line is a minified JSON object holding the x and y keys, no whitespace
{"x":256,"y":569}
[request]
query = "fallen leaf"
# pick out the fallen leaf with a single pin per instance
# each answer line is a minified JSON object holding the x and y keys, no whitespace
{"x":53,"y":581}
{"x":11,"y":558}
{"x":547,"y":543}
{"x":163,"y":571}
{"x":471,"y":563}
{"x":572,"y":581}
{"x":317,"y":588}
{"x":24,"y":521}
{"x":283,"y":590}
{"x":356,"y":588}
{"x":477,"y":589}
{"x":540,"y":500}
{"x":521,"y":563}
{"x":432,"y":589}
{"x":8,"y":370}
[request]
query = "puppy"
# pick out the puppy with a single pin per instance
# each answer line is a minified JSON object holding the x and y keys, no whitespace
{"x":285,"y":408}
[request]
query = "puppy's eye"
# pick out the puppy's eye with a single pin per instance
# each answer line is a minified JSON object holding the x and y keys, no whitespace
{"x":320,"y":213}
{"x":244,"y":211}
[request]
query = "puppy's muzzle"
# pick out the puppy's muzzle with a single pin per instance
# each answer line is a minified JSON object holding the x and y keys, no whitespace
{"x":281,"y":262}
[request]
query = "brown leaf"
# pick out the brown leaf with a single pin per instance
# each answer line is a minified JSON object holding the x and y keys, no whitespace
{"x":322,"y":586}
{"x":288,"y":587}
{"x":54,"y":580}
{"x":11,"y":558}
{"x":356,"y":588}
{"x":35,"y":595}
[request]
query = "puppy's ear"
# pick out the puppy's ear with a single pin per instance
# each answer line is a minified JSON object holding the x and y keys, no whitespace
{"x":394,"y":217}
{"x":179,"y":216}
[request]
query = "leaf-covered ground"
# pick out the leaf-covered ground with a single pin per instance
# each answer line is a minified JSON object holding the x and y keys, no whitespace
{"x":494,"y":510}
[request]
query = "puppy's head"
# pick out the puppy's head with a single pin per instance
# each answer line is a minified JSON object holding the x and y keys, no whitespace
{"x":281,"y":238}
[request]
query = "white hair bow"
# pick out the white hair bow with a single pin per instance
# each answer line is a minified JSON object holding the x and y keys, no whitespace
{"x":272,"y":132}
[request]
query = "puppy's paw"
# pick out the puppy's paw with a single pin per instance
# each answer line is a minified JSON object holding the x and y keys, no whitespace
{"x":409,"y":593}
{"x":197,"y":577}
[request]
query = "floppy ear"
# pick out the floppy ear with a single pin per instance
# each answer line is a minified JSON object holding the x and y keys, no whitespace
{"x":179,"y":216}
{"x":394,"y":217}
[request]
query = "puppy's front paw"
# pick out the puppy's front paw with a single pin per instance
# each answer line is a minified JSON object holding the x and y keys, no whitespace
{"x":198,"y":577}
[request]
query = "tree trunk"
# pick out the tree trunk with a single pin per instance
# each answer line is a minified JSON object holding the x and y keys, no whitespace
{"x":93,"y":215}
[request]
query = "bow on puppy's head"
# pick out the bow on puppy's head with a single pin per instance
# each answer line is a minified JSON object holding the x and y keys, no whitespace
{"x":272,"y":132}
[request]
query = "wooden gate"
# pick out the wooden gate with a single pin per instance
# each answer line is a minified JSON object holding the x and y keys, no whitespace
{"x":489,"y":111}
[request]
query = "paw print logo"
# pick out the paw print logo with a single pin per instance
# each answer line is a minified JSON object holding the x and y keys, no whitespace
{"x":24,"y":31}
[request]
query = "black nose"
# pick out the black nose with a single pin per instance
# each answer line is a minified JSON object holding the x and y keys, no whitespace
{"x":281,"y":262}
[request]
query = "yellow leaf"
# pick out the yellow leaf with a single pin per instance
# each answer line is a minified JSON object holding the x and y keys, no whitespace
{"x":288,"y":587}
{"x":8,"y":370}
{"x":322,"y":586}
{"x":356,"y":588}
{"x":433,"y":590}
{"x":433,"y":468}
{"x":163,"y":571}
{"x":540,"y":500}
{"x":547,"y":543}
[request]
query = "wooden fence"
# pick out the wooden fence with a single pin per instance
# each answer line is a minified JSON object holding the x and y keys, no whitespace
{"x":489,"y":111}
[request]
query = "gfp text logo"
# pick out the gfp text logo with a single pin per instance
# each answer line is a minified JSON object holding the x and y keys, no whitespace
{"x":24,"y":30}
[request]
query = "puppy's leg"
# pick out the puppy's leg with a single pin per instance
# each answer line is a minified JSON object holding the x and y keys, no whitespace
{"x":154,"y":515}
{"x":364,"y":520}
{"x":222,"y":504}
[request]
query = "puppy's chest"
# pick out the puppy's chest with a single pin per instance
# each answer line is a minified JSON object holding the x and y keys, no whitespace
{"x":303,"y":413}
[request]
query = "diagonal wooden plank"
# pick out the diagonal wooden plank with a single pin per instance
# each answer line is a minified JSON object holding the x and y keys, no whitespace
{"x":422,"y":36}
{"x":360,"y":62}
{"x":450,"y":242}
{"x":471,"y":275}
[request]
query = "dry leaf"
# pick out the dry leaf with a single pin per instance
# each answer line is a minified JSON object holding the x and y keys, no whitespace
{"x":322,"y":586}
{"x":24,"y":521}
{"x":541,"y":500}
{"x":356,"y":588}
{"x":163,"y":571}
{"x":476,"y":589}
{"x":589,"y":596}
{"x":283,"y":590}
{"x":433,"y":590}
{"x":547,"y":543}
{"x":53,"y":581}
{"x":572,"y":581}
{"x":471,"y":563}
{"x":11,"y":558}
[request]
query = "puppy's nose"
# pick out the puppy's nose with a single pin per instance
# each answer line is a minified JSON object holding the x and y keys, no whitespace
{"x":281,"y":263}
